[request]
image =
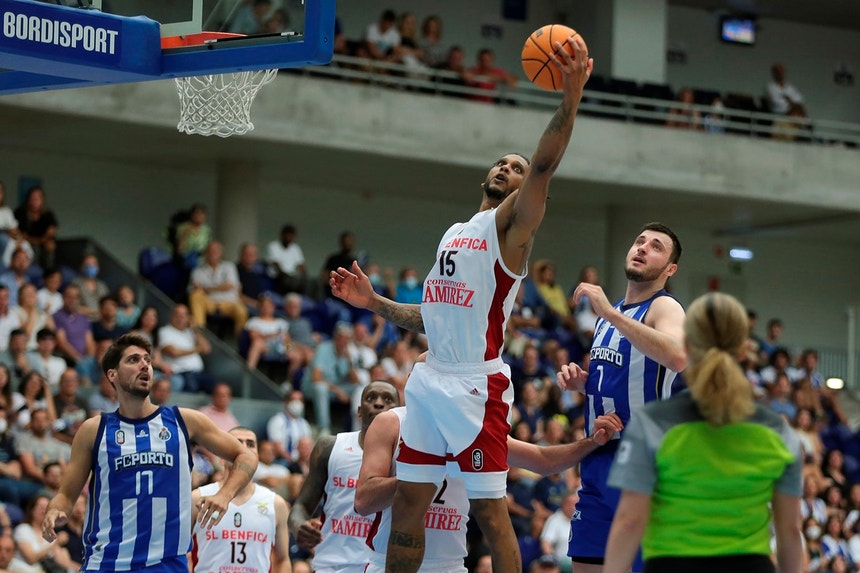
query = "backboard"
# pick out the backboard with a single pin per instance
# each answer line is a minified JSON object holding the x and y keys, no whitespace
{"x":45,"y":45}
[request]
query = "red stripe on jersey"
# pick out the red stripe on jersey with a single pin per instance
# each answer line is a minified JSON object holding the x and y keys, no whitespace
{"x":409,"y":456}
{"x":496,"y":317}
{"x":492,"y":442}
{"x":374,"y":529}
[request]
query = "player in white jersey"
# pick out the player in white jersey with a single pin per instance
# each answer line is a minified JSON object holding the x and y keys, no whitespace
{"x":448,"y":514}
{"x":253,"y":537}
{"x":461,"y":398}
{"x":338,"y":535}
{"x":637,"y":349}
{"x":139,"y":507}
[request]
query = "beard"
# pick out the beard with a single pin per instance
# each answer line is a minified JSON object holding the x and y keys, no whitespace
{"x":493,"y":192}
{"x":647,"y":275}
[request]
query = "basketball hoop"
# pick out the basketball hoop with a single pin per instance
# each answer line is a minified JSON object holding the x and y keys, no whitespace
{"x":216,"y":104}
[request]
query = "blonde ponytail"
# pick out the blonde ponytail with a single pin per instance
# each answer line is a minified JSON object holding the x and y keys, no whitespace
{"x":716,"y":329}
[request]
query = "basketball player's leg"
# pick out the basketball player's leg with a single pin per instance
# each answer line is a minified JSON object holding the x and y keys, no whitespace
{"x":406,"y":542}
{"x":580,"y":567}
{"x":495,"y":523}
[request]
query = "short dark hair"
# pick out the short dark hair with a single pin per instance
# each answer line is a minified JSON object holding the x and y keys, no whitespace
{"x":45,"y":333}
{"x":389,"y":16}
{"x":114,"y":353}
{"x":774,"y":322}
{"x":288,"y":228}
{"x":661,"y":228}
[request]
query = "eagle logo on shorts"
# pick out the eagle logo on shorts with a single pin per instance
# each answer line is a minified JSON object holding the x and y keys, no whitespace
{"x":477,"y":460}
{"x":237,"y":519}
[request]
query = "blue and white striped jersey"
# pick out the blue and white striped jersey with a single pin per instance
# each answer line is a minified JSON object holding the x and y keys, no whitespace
{"x":139,"y":508}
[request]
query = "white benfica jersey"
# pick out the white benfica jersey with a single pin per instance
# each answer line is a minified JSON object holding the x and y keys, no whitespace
{"x":344,"y":532}
{"x":242,"y":542}
{"x":468,"y":294}
{"x":444,"y":524}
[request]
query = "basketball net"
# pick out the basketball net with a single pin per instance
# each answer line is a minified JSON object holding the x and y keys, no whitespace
{"x":219,"y":104}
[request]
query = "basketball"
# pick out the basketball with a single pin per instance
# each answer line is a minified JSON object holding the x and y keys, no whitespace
{"x":537,"y":65}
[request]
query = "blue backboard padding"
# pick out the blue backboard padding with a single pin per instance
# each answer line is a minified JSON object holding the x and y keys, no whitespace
{"x":57,"y":47}
{"x":49,"y":39}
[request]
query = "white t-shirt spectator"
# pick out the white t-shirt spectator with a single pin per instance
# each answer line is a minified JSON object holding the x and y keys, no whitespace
{"x":224,"y":272}
{"x":182,"y":340}
{"x":384,"y":41}
{"x":7,"y":219}
{"x":49,"y":301}
{"x":288,"y":258}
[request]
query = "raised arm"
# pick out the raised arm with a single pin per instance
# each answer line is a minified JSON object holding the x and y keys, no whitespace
{"x":553,"y":459}
{"x":204,"y":431}
{"x":660,"y":337}
{"x":519,"y":216}
{"x":74,"y":477}
{"x":376,"y":484}
{"x":354,"y":287}
{"x":304,"y":528}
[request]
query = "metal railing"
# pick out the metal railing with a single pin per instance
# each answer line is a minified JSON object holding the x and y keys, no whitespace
{"x":603,"y":104}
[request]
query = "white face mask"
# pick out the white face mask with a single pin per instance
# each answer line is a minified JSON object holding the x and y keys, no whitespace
{"x":813,"y":532}
{"x":296,"y":408}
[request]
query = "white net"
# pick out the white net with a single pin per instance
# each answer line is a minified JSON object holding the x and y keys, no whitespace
{"x":219,"y":104}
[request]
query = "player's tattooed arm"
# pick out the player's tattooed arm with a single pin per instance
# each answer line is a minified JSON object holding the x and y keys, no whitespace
{"x":406,"y":316}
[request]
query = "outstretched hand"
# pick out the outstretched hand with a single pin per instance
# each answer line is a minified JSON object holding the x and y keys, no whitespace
{"x":354,"y":287}
{"x":576,"y":69}
{"x":53,"y":519}
{"x":605,"y":427}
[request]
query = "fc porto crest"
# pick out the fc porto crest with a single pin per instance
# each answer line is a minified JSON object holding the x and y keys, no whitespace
{"x":164,"y":434}
{"x":119,"y":437}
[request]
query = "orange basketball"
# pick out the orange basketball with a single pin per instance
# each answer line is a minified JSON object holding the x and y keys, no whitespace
{"x":536,"y":51}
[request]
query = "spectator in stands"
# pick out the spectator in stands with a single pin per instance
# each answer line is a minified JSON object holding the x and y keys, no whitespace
{"x":286,"y":262}
{"x":683,"y":114}
{"x":106,"y":327}
{"x":38,"y":225}
{"x":331,"y":376}
{"x":302,"y":334}
{"x":543,"y":273}
{"x":250,"y":17}
{"x":715,"y":119}
{"x":104,"y":400}
{"x":92,"y":288}
{"x":276,"y":22}
{"x":70,"y":406}
{"x":784,"y":99}
{"x":43,"y":361}
{"x":833,"y":542}
{"x":182,"y":348}
{"x":459,"y":76}
{"x":8,"y":222}
{"x":287,"y":427}
{"x":252,"y":277}
{"x":409,"y":53}
{"x":779,"y":396}
{"x":49,"y":298}
{"x":397,"y":364}
{"x":15,"y":356}
{"x":556,"y":530}
{"x":301,"y":466}
{"x":807,"y":433}
{"x":486,"y":75}
{"x":833,"y":469}
{"x":74,"y":528}
{"x":218,"y":410}
{"x":771,"y":340}
{"x":780,"y":363}
{"x":75,"y":340}
{"x":268,"y":334}
{"x":33,"y":394}
{"x":30,"y":318}
{"x":5,"y":389}
{"x":127,"y":311}
{"x":382,"y":36}
{"x":812,"y":506}
{"x":430,"y":43}
{"x":583,"y":312}
{"x":52,"y":476}
{"x":193,"y":235}
{"x":160,"y":393}
{"x":33,"y":550}
{"x":529,"y":408}
{"x":342,"y":258}
{"x":8,"y":321}
{"x":20,"y":243}
{"x":270,"y":474}
{"x":17,"y":275}
{"x":215,"y":289}
{"x":37,"y":447}
{"x":409,"y":290}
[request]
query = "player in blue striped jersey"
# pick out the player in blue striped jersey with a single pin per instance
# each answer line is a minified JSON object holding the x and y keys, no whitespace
{"x":138,"y":464}
{"x":636,"y":355}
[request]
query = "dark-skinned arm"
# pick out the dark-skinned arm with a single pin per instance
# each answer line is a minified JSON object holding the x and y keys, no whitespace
{"x":305,"y":528}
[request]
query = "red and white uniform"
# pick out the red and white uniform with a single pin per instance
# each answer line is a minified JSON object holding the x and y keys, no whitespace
{"x":242,"y":542}
{"x":344,"y":532}
{"x":460,"y":399}
{"x":444,"y":527}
